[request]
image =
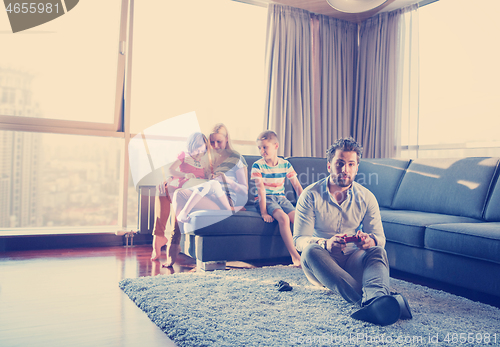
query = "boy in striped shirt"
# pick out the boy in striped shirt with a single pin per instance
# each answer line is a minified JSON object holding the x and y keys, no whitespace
{"x":269,"y":174}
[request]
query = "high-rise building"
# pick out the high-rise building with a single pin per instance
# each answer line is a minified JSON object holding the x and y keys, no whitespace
{"x":20,"y":154}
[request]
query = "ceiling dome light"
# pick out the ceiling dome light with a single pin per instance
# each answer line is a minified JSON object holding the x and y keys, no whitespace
{"x":355,"y":6}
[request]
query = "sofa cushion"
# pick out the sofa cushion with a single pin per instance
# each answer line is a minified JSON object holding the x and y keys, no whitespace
{"x":475,"y":240}
{"x":408,"y":227}
{"x":492,"y":212}
{"x":239,"y":247}
{"x":309,"y":170}
{"x":382,"y":177}
{"x":207,"y":222}
{"x":449,"y":186}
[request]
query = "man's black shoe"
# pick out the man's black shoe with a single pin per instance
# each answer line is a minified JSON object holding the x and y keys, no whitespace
{"x":403,"y":306}
{"x":382,"y":310}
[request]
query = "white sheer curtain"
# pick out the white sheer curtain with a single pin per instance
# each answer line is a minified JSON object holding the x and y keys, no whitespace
{"x":334,"y":66}
{"x":410,"y":84}
{"x":384,"y":45}
{"x":288,"y":65}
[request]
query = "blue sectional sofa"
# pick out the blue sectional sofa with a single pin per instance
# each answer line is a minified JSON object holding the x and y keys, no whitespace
{"x":441,"y":218}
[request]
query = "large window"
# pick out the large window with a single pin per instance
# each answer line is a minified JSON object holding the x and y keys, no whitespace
{"x":63,"y":85}
{"x":64,"y":70}
{"x":202,"y":56}
{"x":59,"y":79}
{"x":459,"y":109}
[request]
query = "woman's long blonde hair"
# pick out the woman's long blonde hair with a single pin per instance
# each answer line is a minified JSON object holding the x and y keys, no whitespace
{"x":220,"y":128}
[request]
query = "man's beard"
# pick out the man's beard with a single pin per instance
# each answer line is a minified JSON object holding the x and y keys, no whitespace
{"x":343,"y":182}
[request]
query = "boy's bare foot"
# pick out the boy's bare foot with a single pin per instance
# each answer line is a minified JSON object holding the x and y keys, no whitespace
{"x":172,"y":253}
{"x":158,"y":243}
{"x":183,"y":217}
{"x":296,"y":262}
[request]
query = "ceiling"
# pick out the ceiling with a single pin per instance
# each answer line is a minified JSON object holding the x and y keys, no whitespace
{"x":322,"y":7}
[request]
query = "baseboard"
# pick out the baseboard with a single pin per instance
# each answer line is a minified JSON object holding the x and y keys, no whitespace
{"x":456,"y":290}
{"x":38,"y":242}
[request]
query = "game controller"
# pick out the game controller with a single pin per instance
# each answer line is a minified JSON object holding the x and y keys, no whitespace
{"x":283,"y":286}
{"x":352,"y":239}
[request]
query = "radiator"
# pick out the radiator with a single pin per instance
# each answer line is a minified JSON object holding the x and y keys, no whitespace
{"x":146,"y":209}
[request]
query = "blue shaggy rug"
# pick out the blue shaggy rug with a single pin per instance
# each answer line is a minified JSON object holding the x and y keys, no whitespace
{"x":244,"y":308}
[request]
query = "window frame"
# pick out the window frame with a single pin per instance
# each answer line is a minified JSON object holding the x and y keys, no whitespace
{"x":118,"y":129}
{"x":51,"y":125}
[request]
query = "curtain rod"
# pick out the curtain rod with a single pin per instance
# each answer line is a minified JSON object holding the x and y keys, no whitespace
{"x":261,"y":3}
{"x":265,"y":3}
{"x":425,"y":2}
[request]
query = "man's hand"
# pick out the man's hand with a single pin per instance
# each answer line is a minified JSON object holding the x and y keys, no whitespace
{"x":366,"y":241}
{"x":189,"y":175}
{"x":267,"y":217}
{"x":336,"y":242}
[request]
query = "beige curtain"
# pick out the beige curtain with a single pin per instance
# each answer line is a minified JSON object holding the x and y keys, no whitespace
{"x":329,"y":78}
{"x":334,"y":67}
{"x":379,"y":92}
{"x":288,"y":64}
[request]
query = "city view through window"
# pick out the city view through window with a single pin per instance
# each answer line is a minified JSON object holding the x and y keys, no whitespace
{"x":51,"y":180}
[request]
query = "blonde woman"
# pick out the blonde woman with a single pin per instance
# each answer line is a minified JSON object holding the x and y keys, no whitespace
{"x":230,"y":170}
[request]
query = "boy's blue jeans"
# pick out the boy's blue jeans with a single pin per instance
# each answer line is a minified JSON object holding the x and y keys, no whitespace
{"x":358,"y":277}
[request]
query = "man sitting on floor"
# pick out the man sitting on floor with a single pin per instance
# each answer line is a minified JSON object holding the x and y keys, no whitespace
{"x":339,"y":231}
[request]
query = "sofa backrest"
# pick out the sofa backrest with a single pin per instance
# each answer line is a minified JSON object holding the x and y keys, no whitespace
{"x":492,"y":212}
{"x":382,"y":177}
{"x":250,"y":159}
{"x":309,"y":170}
{"x":450,"y":186}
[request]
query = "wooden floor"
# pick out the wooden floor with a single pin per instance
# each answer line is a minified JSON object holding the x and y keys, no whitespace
{"x":70,"y":297}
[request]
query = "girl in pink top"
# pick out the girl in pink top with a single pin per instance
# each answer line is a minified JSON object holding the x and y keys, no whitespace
{"x":195,"y":163}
